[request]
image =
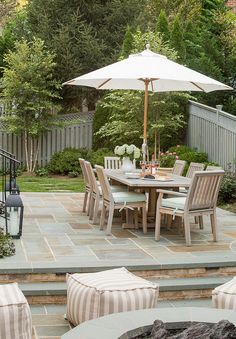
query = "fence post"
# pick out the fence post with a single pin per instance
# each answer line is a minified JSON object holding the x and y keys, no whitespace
{"x":218,"y":109}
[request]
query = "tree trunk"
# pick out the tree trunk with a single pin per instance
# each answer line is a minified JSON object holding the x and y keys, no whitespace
{"x":26,"y":151}
{"x":36,"y":154}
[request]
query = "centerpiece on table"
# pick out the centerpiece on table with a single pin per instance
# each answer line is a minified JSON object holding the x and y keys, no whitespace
{"x":128,"y":153}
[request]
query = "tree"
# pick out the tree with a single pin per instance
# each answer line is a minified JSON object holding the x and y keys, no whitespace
{"x":177,"y":38}
{"x":127,"y":45}
{"x":28,"y":90}
{"x":163,"y":26}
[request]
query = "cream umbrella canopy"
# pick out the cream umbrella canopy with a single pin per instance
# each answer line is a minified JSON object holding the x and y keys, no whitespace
{"x":148,"y":71}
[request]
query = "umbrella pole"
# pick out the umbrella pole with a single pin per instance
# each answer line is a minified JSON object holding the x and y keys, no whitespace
{"x":145,"y":146}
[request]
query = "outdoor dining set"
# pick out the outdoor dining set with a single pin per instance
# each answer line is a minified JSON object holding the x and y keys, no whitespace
{"x":151,"y":200}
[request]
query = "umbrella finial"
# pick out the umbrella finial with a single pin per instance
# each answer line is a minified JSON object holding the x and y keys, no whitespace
{"x":147,"y":46}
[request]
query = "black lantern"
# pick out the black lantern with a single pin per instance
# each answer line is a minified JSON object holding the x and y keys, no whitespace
{"x":14,"y":214}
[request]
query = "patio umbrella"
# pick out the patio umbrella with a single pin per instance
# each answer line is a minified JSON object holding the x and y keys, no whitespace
{"x":148,"y":71}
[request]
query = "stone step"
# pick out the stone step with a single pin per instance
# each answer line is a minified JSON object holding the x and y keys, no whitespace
{"x":170,"y":289}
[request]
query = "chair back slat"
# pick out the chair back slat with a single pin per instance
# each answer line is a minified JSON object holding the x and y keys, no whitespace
{"x":204,"y":189}
{"x":213,"y":168}
{"x":105,"y":186}
{"x":92,"y":178}
{"x":84,"y":172}
{"x":112,"y":163}
{"x":179,"y":167}
{"x":193,"y":167}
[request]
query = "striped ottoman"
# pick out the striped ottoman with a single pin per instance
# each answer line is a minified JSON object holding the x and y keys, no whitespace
{"x":92,"y":295}
{"x":224,"y":296}
{"x":15,"y":316}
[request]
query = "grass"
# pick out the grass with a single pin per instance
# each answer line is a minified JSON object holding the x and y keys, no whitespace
{"x":28,"y":183}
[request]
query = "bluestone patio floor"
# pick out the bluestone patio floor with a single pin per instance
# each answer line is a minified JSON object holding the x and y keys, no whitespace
{"x":58,"y":236}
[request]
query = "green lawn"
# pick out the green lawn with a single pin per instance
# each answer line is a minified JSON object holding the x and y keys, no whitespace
{"x":50,"y":184}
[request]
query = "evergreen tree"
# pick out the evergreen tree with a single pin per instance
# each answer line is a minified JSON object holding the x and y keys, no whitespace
{"x":163,"y":25}
{"x":127,"y":45}
{"x":177,"y":38}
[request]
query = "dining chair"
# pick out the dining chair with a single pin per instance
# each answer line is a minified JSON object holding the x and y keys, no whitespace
{"x":200,"y":200}
{"x":87,"y":186}
{"x":179,"y":167}
{"x":112,"y":163}
{"x":119,"y":200}
{"x":96,"y":192}
{"x":193,"y":167}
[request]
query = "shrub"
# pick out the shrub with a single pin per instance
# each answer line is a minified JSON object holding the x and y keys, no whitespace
{"x":167,"y":160}
{"x":42,"y":172}
{"x":7,"y":247}
{"x":227,"y":188}
{"x":67,"y":161}
{"x":180,"y":149}
{"x":97,"y":157}
{"x":73,"y":174}
{"x":193,"y":156}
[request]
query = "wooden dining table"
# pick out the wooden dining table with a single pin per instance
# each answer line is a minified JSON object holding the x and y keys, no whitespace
{"x":168,"y":181}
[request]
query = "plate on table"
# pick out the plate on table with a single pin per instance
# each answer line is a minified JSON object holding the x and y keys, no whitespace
{"x":132,"y":176}
{"x":163,"y":179}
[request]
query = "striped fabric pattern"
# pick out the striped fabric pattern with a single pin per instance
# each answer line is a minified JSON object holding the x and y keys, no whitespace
{"x":92,"y":295}
{"x":15,"y":316}
{"x":224,"y":296}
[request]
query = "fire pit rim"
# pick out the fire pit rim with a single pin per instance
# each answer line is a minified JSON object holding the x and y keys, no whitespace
{"x":115,"y":325}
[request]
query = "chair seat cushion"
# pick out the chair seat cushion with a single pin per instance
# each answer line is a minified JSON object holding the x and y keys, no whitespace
{"x":128,"y":197}
{"x":224,"y":296}
{"x":115,"y":188}
{"x":118,"y":188}
{"x":175,"y":203}
{"x":92,"y":295}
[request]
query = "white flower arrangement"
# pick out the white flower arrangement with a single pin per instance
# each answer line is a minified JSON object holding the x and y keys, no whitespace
{"x":127,"y":151}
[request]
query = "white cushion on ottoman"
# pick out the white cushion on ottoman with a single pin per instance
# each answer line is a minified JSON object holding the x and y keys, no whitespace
{"x":92,"y":295}
{"x":224,"y":296}
{"x":15,"y":316}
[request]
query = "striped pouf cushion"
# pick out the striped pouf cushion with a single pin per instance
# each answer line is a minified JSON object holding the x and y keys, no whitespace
{"x":15,"y":316}
{"x":94,"y":295}
{"x":224,"y":296}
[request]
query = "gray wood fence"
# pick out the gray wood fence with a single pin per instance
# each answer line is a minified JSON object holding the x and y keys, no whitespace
{"x":77,"y":135}
{"x":212,"y":131}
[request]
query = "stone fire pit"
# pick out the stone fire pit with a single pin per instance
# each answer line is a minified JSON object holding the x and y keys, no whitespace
{"x":118,"y":325}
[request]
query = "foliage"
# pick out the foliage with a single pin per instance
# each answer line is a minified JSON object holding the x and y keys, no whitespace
{"x":66,"y":161}
{"x":28,"y":90}
{"x":163,"y":25}
{"x":97,"y":157}
{"x":73,"y":174}
{"x":84,"y":35}
{"x":167,"y":159}
{"x":7,"y":247}
{"x":179,"y":149}
{"x":182,"y":152}
{"x":228,"y":188}
{"x":41,"y":172}
{"x":177,"y":38}
{"x":194,"y":156}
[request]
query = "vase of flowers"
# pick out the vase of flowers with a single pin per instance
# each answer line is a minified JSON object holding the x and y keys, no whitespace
{"x":128,"y":153}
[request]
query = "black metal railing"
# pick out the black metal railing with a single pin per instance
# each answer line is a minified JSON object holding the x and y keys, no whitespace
{"x":8,"y":171}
